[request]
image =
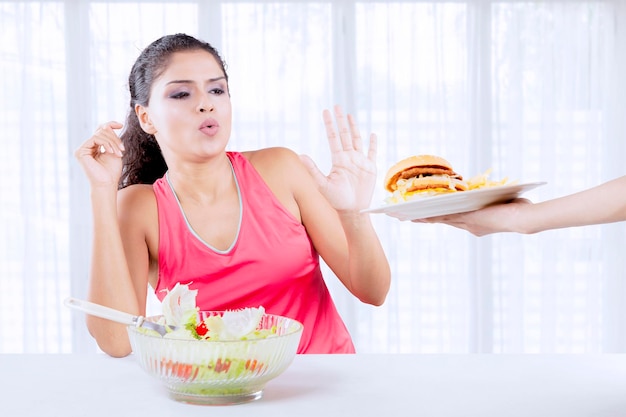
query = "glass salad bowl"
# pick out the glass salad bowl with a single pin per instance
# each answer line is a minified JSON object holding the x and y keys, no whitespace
{"x":218,"y":372}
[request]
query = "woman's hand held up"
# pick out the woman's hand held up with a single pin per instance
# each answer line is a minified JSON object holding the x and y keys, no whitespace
{"x":100,"y":156}
{"x":350,"y":184}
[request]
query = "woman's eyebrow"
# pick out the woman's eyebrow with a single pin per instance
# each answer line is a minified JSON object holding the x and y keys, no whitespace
{"x":211,"y":80}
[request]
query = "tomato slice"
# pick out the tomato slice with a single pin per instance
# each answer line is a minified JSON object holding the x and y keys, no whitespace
{"x":201,"y":329}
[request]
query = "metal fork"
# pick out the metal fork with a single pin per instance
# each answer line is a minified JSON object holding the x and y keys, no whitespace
{"x":116,"y":315}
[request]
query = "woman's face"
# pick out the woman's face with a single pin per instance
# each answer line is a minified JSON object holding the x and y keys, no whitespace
{"x":189,"y":111}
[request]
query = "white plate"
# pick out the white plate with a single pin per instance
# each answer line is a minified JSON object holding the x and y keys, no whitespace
{"x":459,"y":202}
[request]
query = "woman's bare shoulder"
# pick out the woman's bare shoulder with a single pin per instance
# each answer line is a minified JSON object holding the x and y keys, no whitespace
{"x":137,"y":193}
{"x":137,"y":202}
{"x":272,"y":156}
{"x":277,"y":161}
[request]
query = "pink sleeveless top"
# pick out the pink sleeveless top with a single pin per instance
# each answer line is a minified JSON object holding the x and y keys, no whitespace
{"x":272,"y":262}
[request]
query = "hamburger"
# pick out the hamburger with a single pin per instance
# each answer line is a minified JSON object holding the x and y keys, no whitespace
{"x":422,"y":175}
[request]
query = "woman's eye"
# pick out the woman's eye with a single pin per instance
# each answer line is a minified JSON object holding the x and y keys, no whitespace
{"x":217,"y":91}
{"x":179,"y":95}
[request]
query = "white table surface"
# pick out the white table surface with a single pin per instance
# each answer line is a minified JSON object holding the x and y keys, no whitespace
{"x":332,"y":385}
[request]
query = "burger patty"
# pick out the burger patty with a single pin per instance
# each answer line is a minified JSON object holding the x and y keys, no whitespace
{"x":428,"y":170}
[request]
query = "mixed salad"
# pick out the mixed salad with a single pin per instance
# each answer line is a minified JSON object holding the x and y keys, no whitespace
{"x":181,"y":313}
{"x":208,"y":373}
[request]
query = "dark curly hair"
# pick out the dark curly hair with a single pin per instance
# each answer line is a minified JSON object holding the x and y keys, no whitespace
{"x":143,"y":161}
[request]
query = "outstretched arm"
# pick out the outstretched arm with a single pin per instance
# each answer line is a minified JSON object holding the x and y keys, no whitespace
{"x":605,"y":203}
{"x":356,"y":257}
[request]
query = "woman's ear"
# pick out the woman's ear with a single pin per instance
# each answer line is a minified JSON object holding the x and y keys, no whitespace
{"x":144,"y":119}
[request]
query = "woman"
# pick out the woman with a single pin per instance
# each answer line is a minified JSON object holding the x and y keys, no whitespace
{"x":244,"y":229}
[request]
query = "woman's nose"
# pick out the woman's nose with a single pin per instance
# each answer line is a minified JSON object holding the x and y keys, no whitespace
{"x":205,"y":105}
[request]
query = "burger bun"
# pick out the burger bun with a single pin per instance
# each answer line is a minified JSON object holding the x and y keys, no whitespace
{"x":423,"y":173}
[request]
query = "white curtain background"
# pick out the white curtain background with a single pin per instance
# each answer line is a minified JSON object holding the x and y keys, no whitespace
{"x":533,"y":90}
